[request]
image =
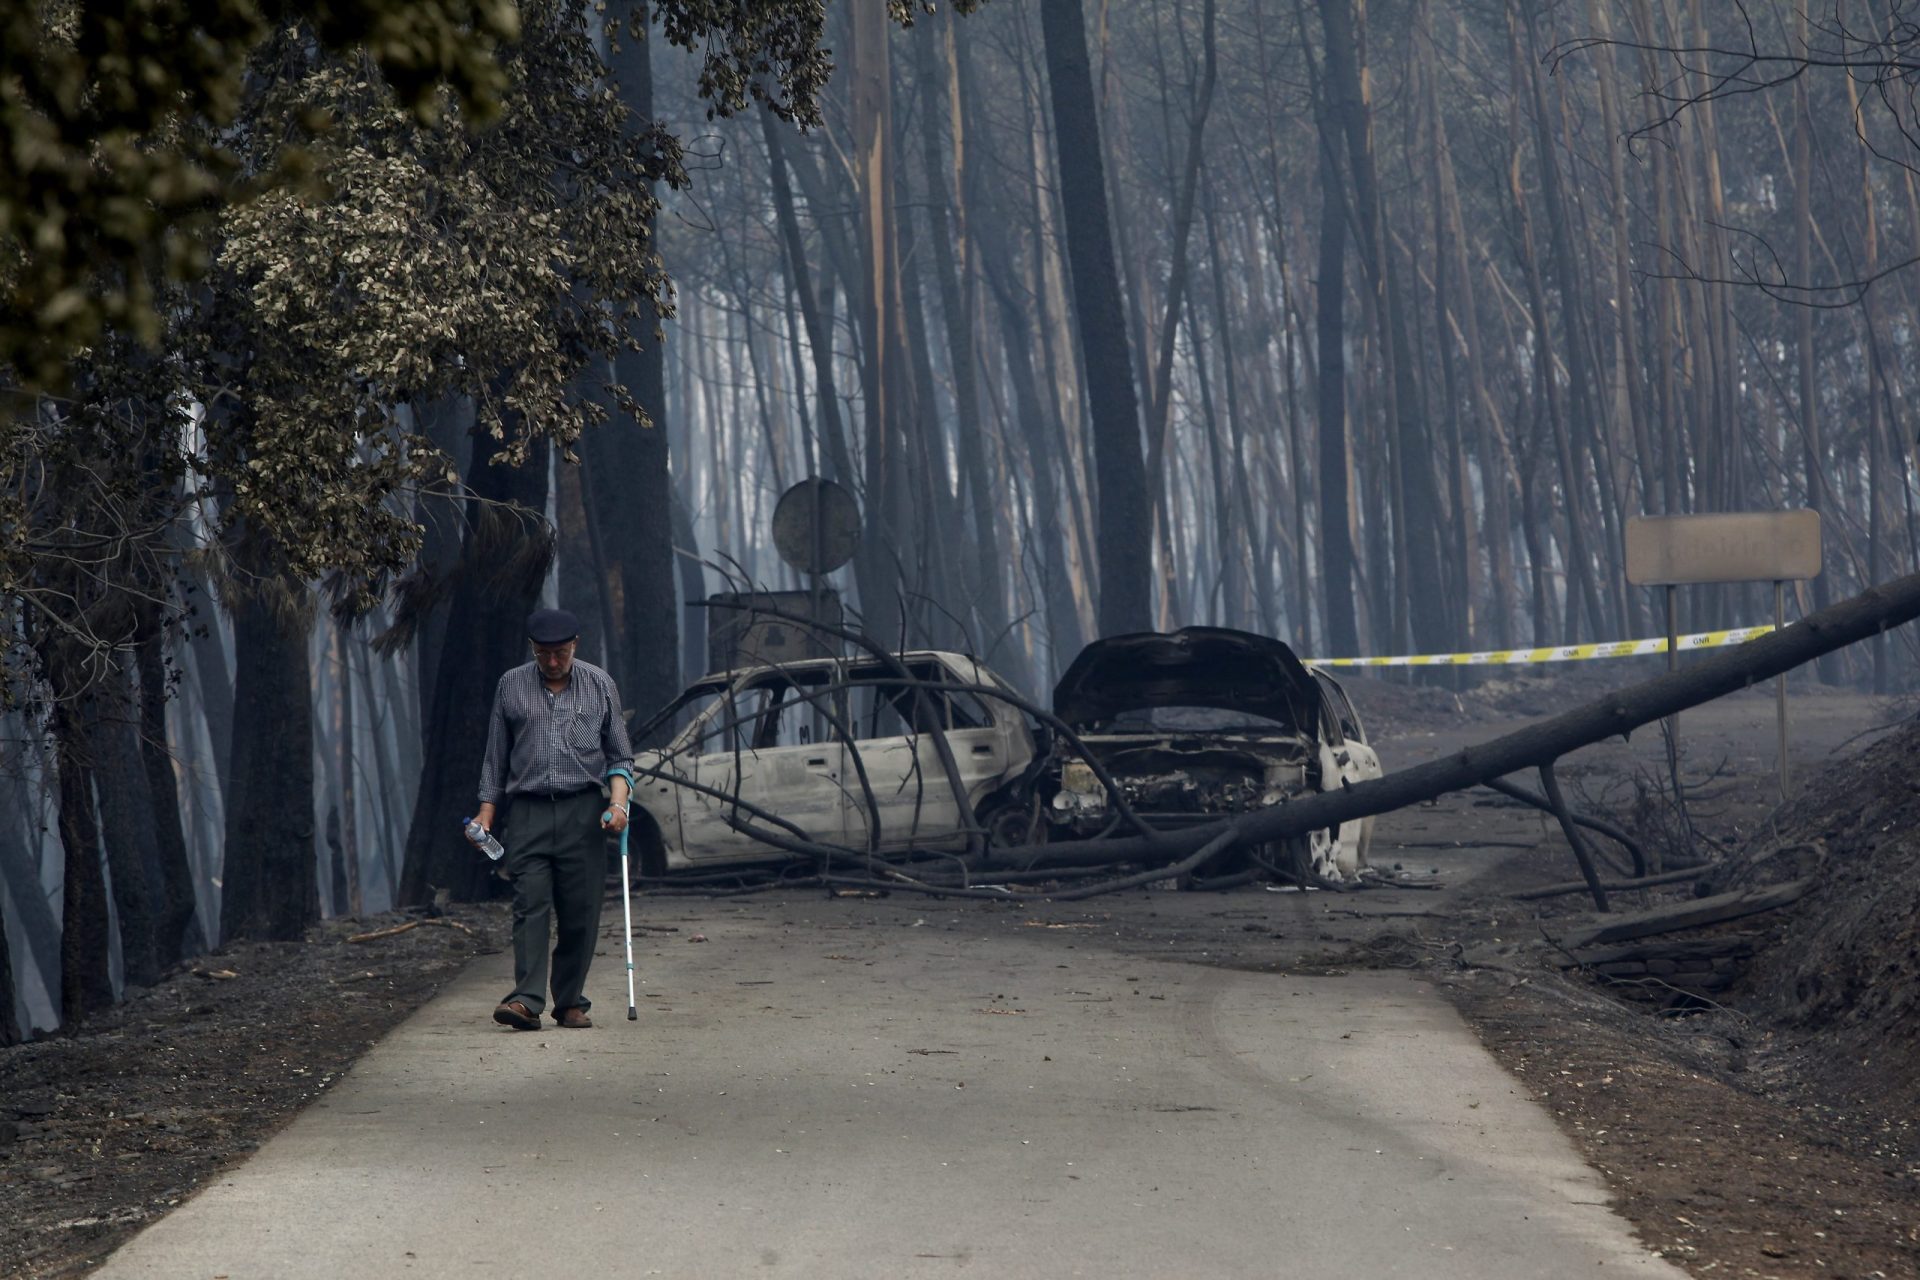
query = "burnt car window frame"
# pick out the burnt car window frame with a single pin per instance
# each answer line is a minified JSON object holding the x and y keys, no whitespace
{"x":888,"y":692}
{"x":702,"y":737}
{"x":797,"y":692}
{"x":1342,"y":719}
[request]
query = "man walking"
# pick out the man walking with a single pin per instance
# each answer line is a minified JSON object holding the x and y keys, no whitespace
{"x":555,"y":734}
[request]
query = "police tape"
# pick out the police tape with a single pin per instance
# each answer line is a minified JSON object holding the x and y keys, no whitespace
{"x":1561,"y":653}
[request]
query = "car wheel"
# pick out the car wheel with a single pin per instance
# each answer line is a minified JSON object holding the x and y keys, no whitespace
{"x":1307,"y":859}
{"x":645,"y":845}
{"x":1010,"y":825}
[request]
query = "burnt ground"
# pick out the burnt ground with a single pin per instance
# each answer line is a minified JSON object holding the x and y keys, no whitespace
{"x":1768,"y":1131}
{"x":102,"y":1131}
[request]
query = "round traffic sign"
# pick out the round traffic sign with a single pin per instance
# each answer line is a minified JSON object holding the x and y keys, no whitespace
{"x":816,"y":526}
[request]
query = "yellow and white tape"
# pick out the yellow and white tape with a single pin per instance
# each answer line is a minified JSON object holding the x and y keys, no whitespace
{"x":1561,"y":653}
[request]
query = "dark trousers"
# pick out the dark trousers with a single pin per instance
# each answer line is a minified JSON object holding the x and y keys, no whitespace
{"x":557,"y":860}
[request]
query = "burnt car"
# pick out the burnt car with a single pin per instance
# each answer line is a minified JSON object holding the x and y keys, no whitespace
{"x":836,"y":751}
{"x":1200,"y":724}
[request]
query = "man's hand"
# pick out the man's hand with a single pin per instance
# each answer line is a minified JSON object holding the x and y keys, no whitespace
{"x":485,"y":815}
{"x":615,"y":817}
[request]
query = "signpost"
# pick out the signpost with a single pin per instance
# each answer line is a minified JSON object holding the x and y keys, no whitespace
{"x":816,"y":526}
{"x":816,"y":529}
{"x":1743,"y":546}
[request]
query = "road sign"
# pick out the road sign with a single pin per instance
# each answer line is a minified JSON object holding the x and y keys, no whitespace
{"x":1737,"y":546}
{"x":816,"y":526}
{"x":1740,"y":546}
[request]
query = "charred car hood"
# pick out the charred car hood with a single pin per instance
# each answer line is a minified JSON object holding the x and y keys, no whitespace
{"x":1193,"y":667}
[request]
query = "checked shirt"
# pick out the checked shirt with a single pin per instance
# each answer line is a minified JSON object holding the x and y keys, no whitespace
{"x":544,"y":743}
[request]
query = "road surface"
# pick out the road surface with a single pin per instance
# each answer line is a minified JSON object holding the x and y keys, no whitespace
{"x":883,"y":1089}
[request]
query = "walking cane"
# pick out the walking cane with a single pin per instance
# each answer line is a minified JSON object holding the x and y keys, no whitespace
{"x":626,"y":910}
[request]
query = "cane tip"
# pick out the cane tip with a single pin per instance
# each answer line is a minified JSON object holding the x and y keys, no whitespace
{"x":633,"y":1014}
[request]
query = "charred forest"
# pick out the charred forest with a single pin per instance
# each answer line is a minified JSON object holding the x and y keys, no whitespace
{"x":1365,"y":326}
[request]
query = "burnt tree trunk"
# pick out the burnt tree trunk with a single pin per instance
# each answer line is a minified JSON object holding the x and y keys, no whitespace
{"x":1580,"y":394}
{"x":85,"y":983}
{"x":1330,"y":324}
{"x":586,"y":585}
{"x":934,"y":522}
{"x":1420,"y":597}
{"x":1125,"y":537}
{"x":269,"y":880}
{"x":874,"y":298}
{"x":1813,"y":452}
{"x":20,"y":880}
{"x":1052,"y":508}
{"x":693,"y":588}
{"x":629,"y":490}
{"x":813,"y":309}
{"x":448,"y":423}
{"x":347,"y":758}
{"x":502,"y":564}
{"x":948,"y":221}
{"x":1160,"y":386}
{"x":176,"y":928}
{"x":20,"y":871}
{"x":215,"y":679}
{"x":9,"y":1025}
{"x":126,"y":823}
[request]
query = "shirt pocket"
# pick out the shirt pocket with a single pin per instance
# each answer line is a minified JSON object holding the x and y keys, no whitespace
{"x":583,"y":731}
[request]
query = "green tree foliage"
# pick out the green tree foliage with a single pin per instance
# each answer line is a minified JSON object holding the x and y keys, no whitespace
{"x":489,"y":263}
{"x":108,"y":179}
{"x":116,"y":119}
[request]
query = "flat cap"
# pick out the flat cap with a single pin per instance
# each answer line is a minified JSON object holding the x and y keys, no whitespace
{"x":552,"y":626}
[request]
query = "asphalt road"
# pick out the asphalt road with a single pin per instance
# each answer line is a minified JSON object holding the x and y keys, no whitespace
{"x":856,"y":1089}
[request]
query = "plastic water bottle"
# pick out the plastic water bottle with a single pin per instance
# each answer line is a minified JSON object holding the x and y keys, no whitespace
{"x":482,"y":839}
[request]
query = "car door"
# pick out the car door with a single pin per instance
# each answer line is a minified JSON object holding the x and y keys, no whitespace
{"x":660,"y":772}
{"x":988,"y":739}
{"x":1345,"y":758}
{"x":756,"y":758}
{"x":892,"y":723}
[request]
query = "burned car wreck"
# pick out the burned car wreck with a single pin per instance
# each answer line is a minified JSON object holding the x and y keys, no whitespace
{"x":866,"y":757}
{"x":833,"y":765}
{"x":1197,"y":725}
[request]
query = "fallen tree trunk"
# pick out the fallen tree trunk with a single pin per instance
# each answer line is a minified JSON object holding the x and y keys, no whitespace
{"x":1617,"y":714}
{"x":1611,"y":886}
{"x":1695,"y":914}
{"x":1712,"y":947}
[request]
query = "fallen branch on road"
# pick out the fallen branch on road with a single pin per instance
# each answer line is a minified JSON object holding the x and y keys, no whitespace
{"x":441,"y":921}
